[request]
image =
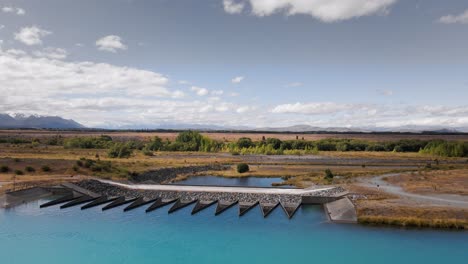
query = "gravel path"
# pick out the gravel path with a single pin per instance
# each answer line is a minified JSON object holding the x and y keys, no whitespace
{"x":451,"y":200}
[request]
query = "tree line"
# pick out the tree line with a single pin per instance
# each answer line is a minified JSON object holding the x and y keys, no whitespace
{"x":194,"y":141}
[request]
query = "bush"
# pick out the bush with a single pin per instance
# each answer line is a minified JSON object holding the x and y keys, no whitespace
{"x":4,"y":168}
{"x":30,"y":169}
{"x":119,"y":150}
{"x":19,"y":172}
{"x":155,"y":145}
{"x":244,"y":143}
{"x":101,"y":142}
{"x":17,"y":160}
{"x":329,"y":174}
{"x":45,"y":168}
{"x":242,"y":167}
{"x":148,"y":153}
{"x":79,"y":163}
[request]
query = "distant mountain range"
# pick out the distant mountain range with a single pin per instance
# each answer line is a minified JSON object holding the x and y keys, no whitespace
{"x":35,"y":121}
{"x":56,"y":122}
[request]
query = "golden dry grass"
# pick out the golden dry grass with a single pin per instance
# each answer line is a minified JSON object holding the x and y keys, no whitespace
{"x":440,"y":182}
{"x":222,"y":136}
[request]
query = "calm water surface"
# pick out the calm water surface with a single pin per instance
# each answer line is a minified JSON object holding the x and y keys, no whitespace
{"x":223,"y":181}
{"x":32,"y":235}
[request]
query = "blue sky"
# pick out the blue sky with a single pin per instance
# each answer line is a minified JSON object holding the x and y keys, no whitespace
{"x":141,"y":63}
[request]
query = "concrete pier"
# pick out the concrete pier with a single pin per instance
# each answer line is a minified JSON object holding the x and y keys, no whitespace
{"x":290,"y":209}
{"x":267,"y":208}
{"x":224,"y":205}
{"x":138,"y":203}
{"x":180,"y":204}
{"x":160,"y":203}
{"x":118,"y":202}
{"x":67,"y":198}
{"x":83,"y":199}
{"x":245,"y":207}
{"x":202,"y":205}
{"x":99,"y":201}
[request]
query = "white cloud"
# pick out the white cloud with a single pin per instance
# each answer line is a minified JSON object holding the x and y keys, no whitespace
{"x":455,"y":19}
{"x":324,"y":10}
{"x":237,"y":79}
{"x":183,"y":82}
{"x":217,"y":92}
{"x":294,"y":84}
{"x":110,"y":43}
{"x":234,"y":94}
{"x":20,"y":11}
{"x":318,"y":108}
{"x":79,"y":45}
{"x":31,"y":35}
{"x":2,"y":26}
{"x":385,"y":92}
{"x":8,"y":9}
{"x":233,"y":7}
{"x":199,"y":90}
{"x":16,"y":10}
{"x":52,"y":53}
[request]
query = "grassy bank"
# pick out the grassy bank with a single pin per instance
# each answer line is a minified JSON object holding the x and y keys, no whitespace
{"x":414,"y":222}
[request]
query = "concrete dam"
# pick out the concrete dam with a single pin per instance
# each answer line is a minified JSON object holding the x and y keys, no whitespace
{"x":110,"y":194}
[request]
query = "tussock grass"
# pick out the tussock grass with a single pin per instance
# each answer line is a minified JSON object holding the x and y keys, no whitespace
{"x":414,"y":222}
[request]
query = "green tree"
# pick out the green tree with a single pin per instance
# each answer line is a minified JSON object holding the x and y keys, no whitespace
{"x":242,"y":167}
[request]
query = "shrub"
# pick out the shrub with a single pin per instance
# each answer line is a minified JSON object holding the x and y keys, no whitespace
{"x":242,"y":167}
{"x":244,"y":143}
{"x":17,"y":160}
{"x":148,"y":153}
{"x":75,"y":168}
{"x":155,"y":145}
{"x":329,"y":174}
{"x":4,"y":168}
{"x":189,"y":140}
{"x":19,"y":172}
{"x":79,"y":163}
{"x":45,"y":168}
{"x":101,"y":142}
{"x":30,"y":169}
{"x":119,"y":150}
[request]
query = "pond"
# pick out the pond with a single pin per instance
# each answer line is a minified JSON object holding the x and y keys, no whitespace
{"x":223,"y":181}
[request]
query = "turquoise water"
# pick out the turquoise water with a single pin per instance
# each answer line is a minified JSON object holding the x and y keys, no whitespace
{"x":223,"y":181}
{"x":32,"y":235}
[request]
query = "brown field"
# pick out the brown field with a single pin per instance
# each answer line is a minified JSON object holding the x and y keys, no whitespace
{"x":439,"y":182}
{"x":228,"y":136}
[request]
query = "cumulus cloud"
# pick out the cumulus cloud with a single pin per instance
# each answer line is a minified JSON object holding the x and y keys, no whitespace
{"x":233,"y":7}
{"x":110,"y":43}
{"x":199,"y":90}
{"x":237,"y":79}
{"x":31,"y":35}
{"x":52,"y":53}
{"x":455,"y":19}
{"x":101,"y":94}
{"x":326,"y":11}
{"x":2,"y":26}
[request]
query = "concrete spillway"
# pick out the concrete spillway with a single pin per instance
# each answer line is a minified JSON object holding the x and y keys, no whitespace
{"x":96,"y":193}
